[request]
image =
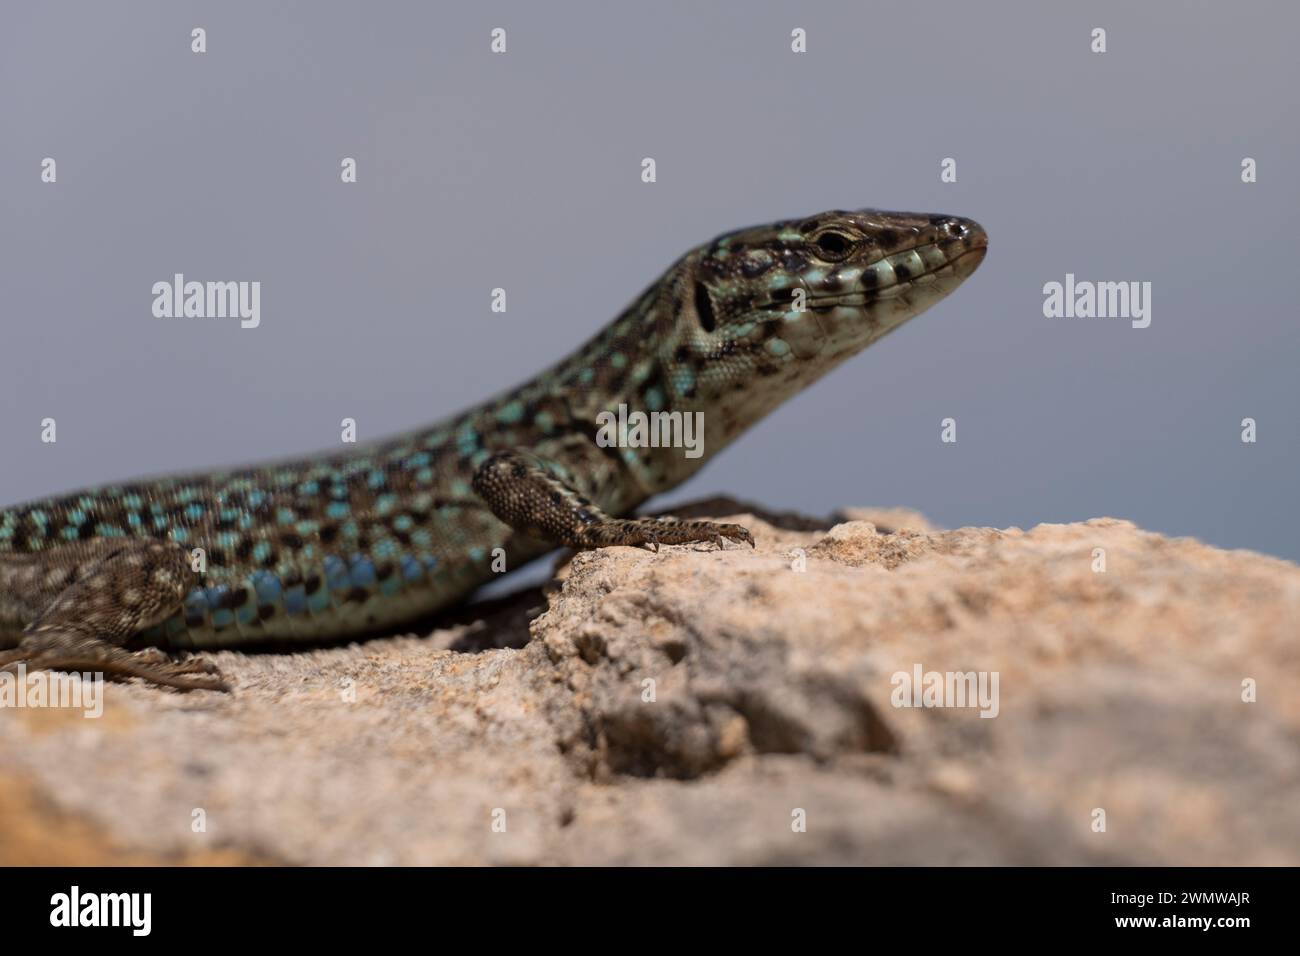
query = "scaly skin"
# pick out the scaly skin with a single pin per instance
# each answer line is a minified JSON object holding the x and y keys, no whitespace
{"x":340,"y":544}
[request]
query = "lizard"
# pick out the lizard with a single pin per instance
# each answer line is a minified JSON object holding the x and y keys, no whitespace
{"x":129,"y":579}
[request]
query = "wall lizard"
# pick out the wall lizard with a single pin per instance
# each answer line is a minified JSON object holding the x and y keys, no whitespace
{"x":346,"y":543}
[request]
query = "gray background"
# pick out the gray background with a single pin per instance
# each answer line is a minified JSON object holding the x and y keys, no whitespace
{"x":522,"y":171}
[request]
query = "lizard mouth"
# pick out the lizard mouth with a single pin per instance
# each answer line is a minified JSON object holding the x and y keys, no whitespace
{"x":957,"y":267}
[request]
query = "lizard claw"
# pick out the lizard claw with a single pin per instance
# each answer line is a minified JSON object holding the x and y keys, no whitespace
{"x":735,"y":532}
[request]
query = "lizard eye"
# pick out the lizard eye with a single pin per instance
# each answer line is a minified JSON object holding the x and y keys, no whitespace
{"x":833,"y":246}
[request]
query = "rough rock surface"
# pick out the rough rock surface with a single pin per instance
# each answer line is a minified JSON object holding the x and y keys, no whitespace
{"x":706,"y":707}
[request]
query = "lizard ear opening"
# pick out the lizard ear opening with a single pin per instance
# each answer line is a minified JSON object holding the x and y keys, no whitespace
{"x":704,"y":308}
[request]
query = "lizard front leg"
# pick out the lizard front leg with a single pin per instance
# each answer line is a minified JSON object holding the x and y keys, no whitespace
{"x":86,"y":600}
{"x":532,"y":496}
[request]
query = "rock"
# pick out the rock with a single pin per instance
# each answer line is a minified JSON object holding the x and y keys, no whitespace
{"x":734,"y":707}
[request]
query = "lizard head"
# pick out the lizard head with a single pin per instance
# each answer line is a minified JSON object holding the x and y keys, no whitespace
{"x":760,"y":313}
{"x":826,"y":285}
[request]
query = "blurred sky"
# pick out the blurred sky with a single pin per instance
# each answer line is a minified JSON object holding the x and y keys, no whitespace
{"x":523,"y":171}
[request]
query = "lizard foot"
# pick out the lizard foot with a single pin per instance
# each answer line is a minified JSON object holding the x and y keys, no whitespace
{"x":653,"y":532}
{"x":90,"y":598}
{"x":68,"y":651}
{"x":532,"y":496}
